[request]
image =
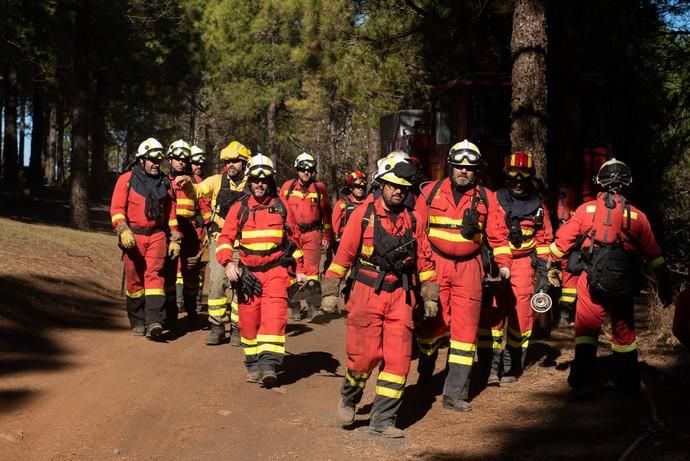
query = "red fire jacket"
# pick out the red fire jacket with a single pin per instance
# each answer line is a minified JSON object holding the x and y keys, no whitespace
{"x":129,"y":207}
{"x":310,"y":206}
{"x":339,"y":211}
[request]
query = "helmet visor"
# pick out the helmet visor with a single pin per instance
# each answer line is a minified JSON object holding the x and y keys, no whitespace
{"x":260,"y":172}
{"x":155,"y":154}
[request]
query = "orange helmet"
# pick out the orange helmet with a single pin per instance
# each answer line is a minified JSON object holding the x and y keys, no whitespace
{"x":519,"y":164}
{"x":353,"y":176}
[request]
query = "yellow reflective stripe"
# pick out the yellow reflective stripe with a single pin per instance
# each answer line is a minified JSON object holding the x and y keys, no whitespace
{"x":271,"y":348}
{"x":337,"y":269}
{"x":497,"y":333}
{"x":572,"y":291}
{"x":172,"y":223}
{"x":218,"y":301}
{"x":624,"y":347}
{"x":326,"y":226}
{"x":185,"y":201}
{"x":367,"y":250}
{"x":427,"y":275}
{"x":555,"y":251}
{"x":250,"y":350}
{"x":225,"y":246}
{"x":117,"y":217}
{"x":391,"y":393}
{"x":312,"y":195}
{"x":270,"y":338}
{"x":353,"y":381}
{"x":312,"y":277}
{"x":452,"y":237}
{"x":657,"y":262}
{"x":502,"y":251}
{"x":207,"y":215}
{"x":527,"y":232}
{"x":525,"y":245}
{"x":185,"y":213}
{"x":633,"y":214}
{"x":543,"y":250}
{"x":567,"y":299}
{"x":470,"y":347}
{"x":461,"y":360}
{"x":262,"y":233}
{"x":154,"y":292}
{"x":297,"y":254}
{"x":586,"y":340}
{"x":258,"y":246}
{"x":591,"y":208}
{"x":444,"y":220}
{"x":247,"y":341}
{"x":391,"y":378}
{"x":135,"y":294}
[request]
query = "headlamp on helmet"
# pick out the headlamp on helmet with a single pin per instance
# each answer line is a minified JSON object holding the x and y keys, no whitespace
{"x":151,"y":149}
{"x":464,"y":153}
{"x":260,"y":166}
{"x":614,"y":173}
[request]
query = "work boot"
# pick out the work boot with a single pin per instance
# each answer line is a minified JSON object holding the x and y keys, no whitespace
{"x":139,"y":330}
{"x":493,"y":380}
{"x":456,"y":404}
{"x":154,"y":330}
{"x":345,"y":414}
{"x":313,"y":313}
{"x":235,"y":336}
{"x":269,"y":378}
{"x":216,"y":335}
{"x":496,"y":367}
{"x":253,"y":376}
{"x":389,"y":431}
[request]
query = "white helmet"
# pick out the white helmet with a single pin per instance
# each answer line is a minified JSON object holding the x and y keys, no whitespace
{"x":464,"y":153}
{"x":396,"y":169}
{"x":305,"y":161}
{"x":180,"y":150}
{"x":198,"y":155}
{"x":150,"y":148}
{"x":386,"y":163}
{"x":260,"y":166}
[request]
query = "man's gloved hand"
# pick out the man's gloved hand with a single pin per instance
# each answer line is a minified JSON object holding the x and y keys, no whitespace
{"x":504,"y":273}
{"x":329,"y":304}
{"x":250,"y":283}
{"x":429,"y":292}
{"x":329,"y":295}
{"x":553,"y":275}
{"x":193,"y":261}
{"x":173,"y":249}
{"x":126,"y":236}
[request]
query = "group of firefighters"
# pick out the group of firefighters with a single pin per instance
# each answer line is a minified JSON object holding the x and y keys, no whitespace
{"x":412,"y":260}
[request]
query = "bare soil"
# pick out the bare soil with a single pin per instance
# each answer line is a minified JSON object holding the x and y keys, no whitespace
{"x":75,"y":384}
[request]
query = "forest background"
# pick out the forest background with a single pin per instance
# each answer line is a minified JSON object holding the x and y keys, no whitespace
{"x":85,"y":81}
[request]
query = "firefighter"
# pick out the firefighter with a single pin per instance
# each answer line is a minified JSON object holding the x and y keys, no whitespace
{"x":385,"y":246}
{"x":143,"y":214}
{"x":179,"y":155}
{"x":309,"y":202}
{"x":224,"y":189}
{"x":263,"y":228}
{"x":203,"y":218}
{"x":461,"y":215}
{"x":529,"y":234}
{"x":355,"y":188}
{"x":609,"y":232}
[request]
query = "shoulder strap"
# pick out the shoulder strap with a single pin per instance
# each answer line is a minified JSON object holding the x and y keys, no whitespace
{"x":281,"y":208}
{"x":484,"y":196}
{"x":291,"y":188}
{"x":242,"y":214}
{"x":432,"y":193}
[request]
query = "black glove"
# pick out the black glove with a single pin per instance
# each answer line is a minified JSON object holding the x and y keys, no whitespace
{"x":250,"y":283}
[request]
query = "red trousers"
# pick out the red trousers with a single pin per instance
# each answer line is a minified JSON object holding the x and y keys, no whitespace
{"x":310,"y":244}
{"x":589,"y":316}
{"x":460,"y":299}
{"x":263,"y":319}
{"x":144,"y":279}
{"x":515,"y":303}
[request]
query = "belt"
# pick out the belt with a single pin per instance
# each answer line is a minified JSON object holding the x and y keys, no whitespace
{"x":456,"y":259}
{"x":264,"y":267}
{"x":316,"y":225}
{"x":147,"y":231}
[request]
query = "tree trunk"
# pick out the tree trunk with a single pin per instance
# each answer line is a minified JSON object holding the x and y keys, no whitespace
{"x":10,"y":156}
{"x":528,"y":45}
{"x":38,"y":136}
{"x":373,"y":151}
{"x":270,"y":129}
{"x":80,"y":121}
{"x":51,"y":148}
{"x":98,"y":163}
{"x":22,"y":137}
{"x":60,"y":144}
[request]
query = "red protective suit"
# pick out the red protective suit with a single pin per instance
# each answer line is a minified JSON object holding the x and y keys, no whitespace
{"x":379,"y":324}
{"x":144,"y":264}
{"x":341,"y":213}
{"x":311,"y":207}
{"x":589,"y":314}
{"x":262,"y":242}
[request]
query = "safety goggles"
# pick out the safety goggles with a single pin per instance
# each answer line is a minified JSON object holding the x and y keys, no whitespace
{"x":155,"y":154}
{"x":180,"y":154}
{"x":464,"y":157}
{"x":306,"y":170}
{"x":518,"y":174}
{"x":259,"y":173}
{"x":358,"y":186}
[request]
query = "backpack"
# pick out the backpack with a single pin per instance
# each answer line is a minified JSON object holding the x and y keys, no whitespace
{"x":610,"y":268}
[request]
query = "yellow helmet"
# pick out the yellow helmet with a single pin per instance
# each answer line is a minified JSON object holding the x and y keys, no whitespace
{"x":235,"y":150}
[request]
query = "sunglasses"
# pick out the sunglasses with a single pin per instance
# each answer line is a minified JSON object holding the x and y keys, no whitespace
{"x":518,"y":175}
{"x":305,"y":170}
{"x":358,"y":186}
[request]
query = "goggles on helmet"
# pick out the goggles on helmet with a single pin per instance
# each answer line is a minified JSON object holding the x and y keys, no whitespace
{"x":305,"y":166}
{"x":464,"y":157}
{"x":259,"y":172}
{"x":155,"y":154}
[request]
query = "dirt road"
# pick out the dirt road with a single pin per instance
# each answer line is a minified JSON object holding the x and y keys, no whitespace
{"x":76,"y":385}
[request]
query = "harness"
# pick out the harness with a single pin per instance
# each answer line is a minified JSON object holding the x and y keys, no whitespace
{"x":513,"y":223}
{"x":349,"y":208}
{"x":392,"y":255}
{"x":316,"y":225}
{"x":224,"y":200}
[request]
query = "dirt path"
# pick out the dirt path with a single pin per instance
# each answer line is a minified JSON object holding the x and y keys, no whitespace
{"x":76,"y":385}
